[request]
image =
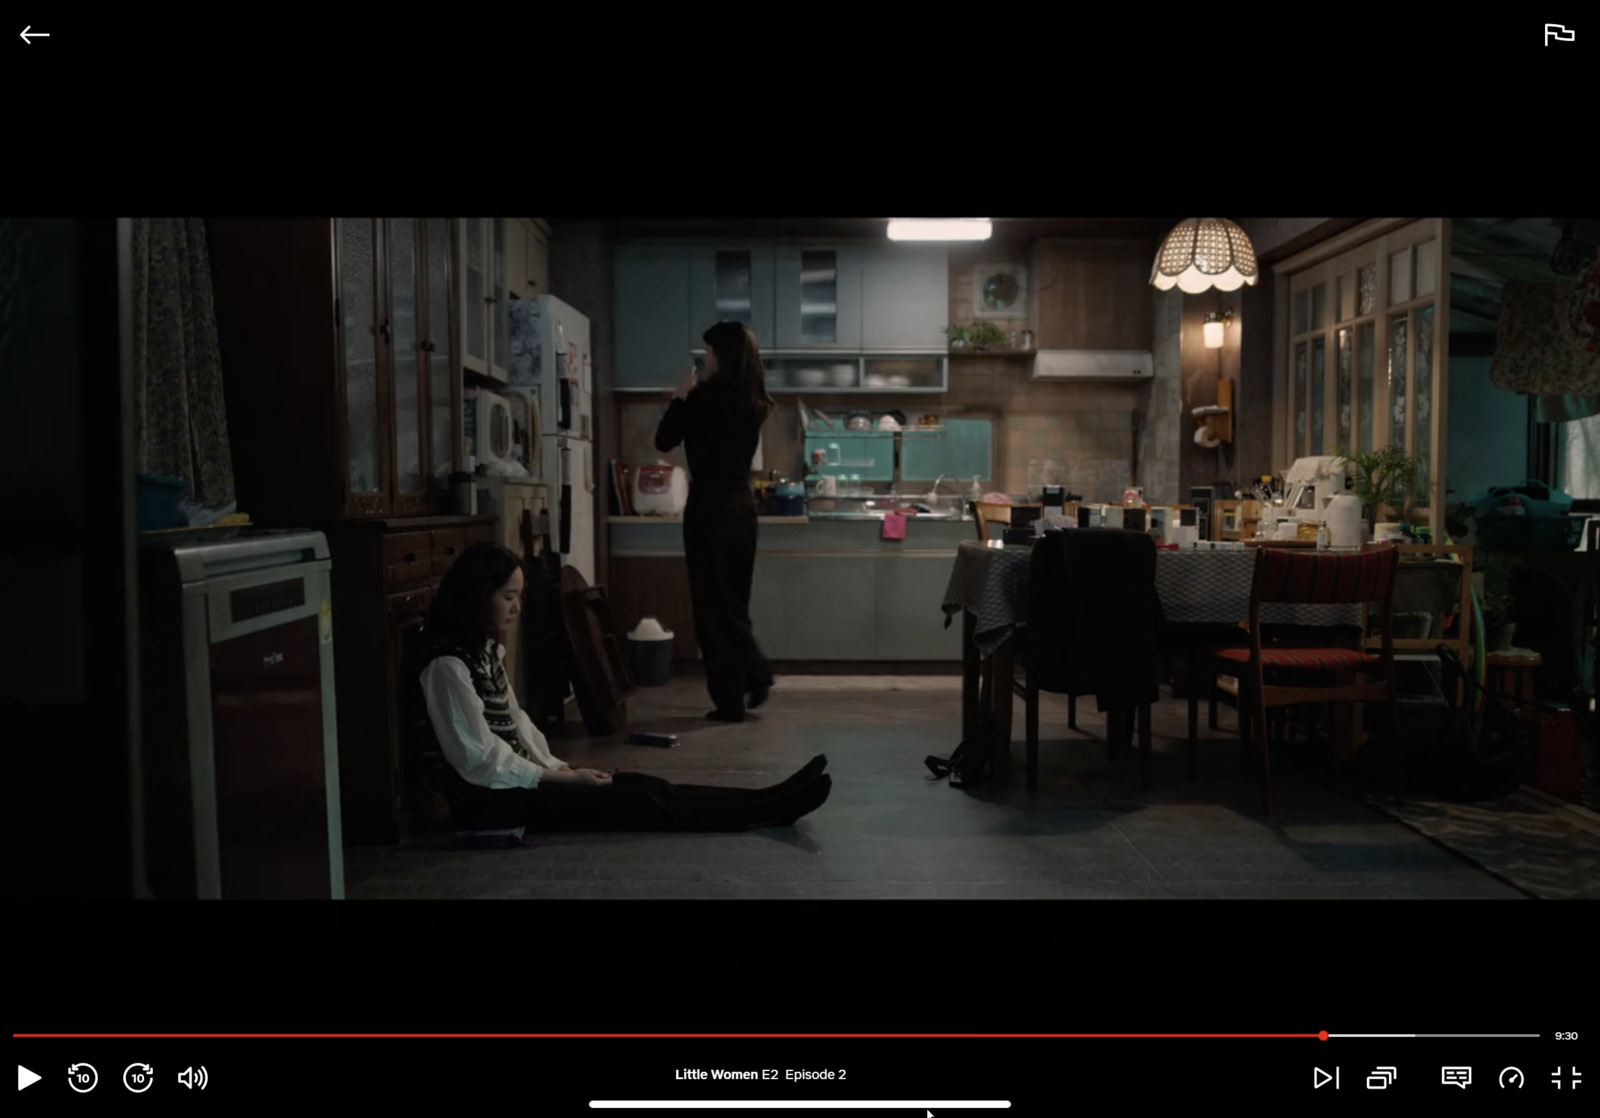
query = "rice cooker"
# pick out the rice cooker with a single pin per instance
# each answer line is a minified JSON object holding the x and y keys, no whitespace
{"x":660,"y":489}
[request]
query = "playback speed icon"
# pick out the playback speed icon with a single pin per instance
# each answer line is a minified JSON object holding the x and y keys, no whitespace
{"x":194,"y":1078}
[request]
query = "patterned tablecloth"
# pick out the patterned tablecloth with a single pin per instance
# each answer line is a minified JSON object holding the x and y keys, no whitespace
{"x":1195,"y":587}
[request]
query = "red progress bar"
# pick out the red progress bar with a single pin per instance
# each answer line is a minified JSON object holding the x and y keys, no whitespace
{"x":670,"y":1036}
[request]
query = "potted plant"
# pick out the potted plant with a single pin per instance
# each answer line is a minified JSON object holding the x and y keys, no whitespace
{"x":985,"y":334}
{"x":1382,"y":479}
{"x":1499,"y":628}
{"x":960,"y":336}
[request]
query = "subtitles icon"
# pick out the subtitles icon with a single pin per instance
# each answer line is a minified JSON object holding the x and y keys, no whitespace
{"x":1457,"y":1077}
{"x":1559,"y":34}
{"x":1380,"y":1079}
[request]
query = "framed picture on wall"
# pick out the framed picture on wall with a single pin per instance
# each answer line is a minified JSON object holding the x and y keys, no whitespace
{"x":1000,"y":291}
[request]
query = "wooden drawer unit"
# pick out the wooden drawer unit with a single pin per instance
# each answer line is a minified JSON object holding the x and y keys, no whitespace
{"x":407,"y":559}
{"x":447,"y":544}
{"x":481,"y":533}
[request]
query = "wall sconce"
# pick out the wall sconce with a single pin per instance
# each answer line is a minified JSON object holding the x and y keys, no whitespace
{"x":1216,"y":328}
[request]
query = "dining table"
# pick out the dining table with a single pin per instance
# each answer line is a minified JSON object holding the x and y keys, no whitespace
{"x":988,"y":588}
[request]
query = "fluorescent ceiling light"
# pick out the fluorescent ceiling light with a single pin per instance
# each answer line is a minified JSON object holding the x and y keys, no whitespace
{"x":940,"y":228}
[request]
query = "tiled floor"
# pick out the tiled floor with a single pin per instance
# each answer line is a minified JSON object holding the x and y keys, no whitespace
{"x":889,"y":832}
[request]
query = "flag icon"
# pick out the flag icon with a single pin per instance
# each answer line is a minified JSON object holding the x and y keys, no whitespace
{"x":1560,"y":34}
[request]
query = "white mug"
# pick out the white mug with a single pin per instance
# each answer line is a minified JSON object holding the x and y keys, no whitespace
{"x":827,"y":486}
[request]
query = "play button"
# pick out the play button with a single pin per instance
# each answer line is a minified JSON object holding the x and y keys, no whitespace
{"x":25,"y":1078}
{"x":1320,"y":1078}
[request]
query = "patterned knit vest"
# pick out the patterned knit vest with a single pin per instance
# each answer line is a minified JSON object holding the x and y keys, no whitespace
{"x":489,"y":681}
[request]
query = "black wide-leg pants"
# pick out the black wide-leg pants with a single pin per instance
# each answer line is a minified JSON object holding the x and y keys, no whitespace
{"x":719,"y":544}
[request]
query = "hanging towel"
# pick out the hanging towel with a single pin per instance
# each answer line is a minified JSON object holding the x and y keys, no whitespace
{"x":894,"y":526}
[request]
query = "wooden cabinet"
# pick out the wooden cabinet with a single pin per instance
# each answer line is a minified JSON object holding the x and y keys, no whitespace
{"x":652,"y":314}
{"x":1093,"y":295}
{"x":485,"y":295}
{"x":536,"y":257}
{"x":818,"y":297}
{"x":336,"y":340}
{"x":905,"y":297}
{"x":385,"y":574}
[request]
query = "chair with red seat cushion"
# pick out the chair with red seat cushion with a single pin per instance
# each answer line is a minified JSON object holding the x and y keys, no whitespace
{"x":1294,"y":577}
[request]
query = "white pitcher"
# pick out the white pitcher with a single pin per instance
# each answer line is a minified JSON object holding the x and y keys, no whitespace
{"x":1343,"y":519}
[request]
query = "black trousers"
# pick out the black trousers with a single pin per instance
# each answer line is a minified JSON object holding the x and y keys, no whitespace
{"x":719,"y":543}
{"x":631,"y":802}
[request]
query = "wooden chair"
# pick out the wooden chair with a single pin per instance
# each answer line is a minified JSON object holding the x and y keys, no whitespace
{"x":1295,"y":577}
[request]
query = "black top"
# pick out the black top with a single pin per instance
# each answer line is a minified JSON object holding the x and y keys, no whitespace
{"x":718,"y":431}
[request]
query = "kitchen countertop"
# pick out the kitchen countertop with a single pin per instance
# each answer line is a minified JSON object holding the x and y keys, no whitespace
{"x":679,"y":519}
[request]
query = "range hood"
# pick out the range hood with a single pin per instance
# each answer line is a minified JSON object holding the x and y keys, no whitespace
{"x":1094,"y":364}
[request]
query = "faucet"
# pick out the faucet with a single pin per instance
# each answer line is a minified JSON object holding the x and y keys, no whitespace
{"x":933,"y":492}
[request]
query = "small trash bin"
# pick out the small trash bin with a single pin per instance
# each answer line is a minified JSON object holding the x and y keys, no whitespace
{"x":650,"y":647}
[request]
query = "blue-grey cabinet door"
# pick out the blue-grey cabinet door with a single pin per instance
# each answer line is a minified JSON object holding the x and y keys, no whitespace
{"x":652,"y":315}
{"x":818,"y":293}
{"x":831,"y":612}
{"x":731,"y":284}
{"x":905,"y":297}
{"x":910,"y":622}
{"x":769,"y":590}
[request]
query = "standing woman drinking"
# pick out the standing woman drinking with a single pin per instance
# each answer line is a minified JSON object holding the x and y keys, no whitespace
{"x":718,"y":421}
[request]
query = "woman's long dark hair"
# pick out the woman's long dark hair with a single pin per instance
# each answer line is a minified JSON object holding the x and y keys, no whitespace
{"x":460,"y":613}
{"x":739,"y":369}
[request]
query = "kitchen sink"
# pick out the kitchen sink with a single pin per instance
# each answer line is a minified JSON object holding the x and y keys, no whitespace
{"x":880,"y":507}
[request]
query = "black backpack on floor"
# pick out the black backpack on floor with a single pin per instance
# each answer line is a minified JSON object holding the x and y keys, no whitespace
{"x":968,"y":765}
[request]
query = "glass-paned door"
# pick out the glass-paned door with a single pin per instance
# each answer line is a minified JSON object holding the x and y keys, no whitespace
{"x":1364,"y":365}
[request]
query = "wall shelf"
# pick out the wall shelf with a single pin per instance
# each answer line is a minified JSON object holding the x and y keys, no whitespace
{"x":1002,"y":354}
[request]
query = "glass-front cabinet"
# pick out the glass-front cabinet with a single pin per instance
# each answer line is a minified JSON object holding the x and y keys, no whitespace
{"x":1365,"y":367}
{"x":818,"y":297}
{"x":484,"y":298}
{"x":395,"y":328}
{"x":830,"y":319}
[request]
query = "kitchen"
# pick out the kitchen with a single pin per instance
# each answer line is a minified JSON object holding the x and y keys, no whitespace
{"x":1064,"y":390}
{"x":447,"y":382}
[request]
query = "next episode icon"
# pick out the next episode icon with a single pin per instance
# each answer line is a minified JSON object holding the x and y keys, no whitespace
{"x":1457,"y":1077}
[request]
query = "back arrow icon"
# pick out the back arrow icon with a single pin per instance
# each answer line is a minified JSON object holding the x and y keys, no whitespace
{"x":29,"y":34}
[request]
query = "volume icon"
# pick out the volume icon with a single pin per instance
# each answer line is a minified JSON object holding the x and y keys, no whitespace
{"x":193,"y":1078}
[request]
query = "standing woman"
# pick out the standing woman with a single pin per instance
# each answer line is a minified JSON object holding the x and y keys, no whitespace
{"x":719,"y":423}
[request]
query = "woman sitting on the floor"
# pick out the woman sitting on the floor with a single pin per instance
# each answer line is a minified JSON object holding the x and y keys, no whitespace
{"x":507,"y":775}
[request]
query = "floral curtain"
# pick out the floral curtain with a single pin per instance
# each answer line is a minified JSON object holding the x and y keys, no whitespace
{"x":1543,"y":347}
{"x":179,"y":413}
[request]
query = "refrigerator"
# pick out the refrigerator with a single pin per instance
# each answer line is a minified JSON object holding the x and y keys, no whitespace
{"x":551,"y":360}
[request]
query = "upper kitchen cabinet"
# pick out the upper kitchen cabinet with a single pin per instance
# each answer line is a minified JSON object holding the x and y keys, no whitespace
{"x":485,"y":294}
{"x":527,"y":257}
{"x":1093,"y":295}
{"x":731,"y":284}
{"x":905,"y":297}
{"x":339,"y":380}
{"x":536,"y":260}
{"x":653,"y":315}
{"x":819,"y":298}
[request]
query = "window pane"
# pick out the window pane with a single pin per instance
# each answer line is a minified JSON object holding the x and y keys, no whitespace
{"x":1346,"y":385}
{"x":1319,"y":394}
{"x":1400,"y":277}
{"x":1368,"y":284}
{"x":1319,"y":306}
{"x":1427,"y":266}
{"x":1397,"y":380}
{"x":1302,"y":312}
{"x":1298,"y":403}
{"x":1423,"y":438}
{"x":1366,"y":389}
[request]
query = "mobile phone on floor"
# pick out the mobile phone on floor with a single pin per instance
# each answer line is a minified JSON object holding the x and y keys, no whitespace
{"x":666,"y":741}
